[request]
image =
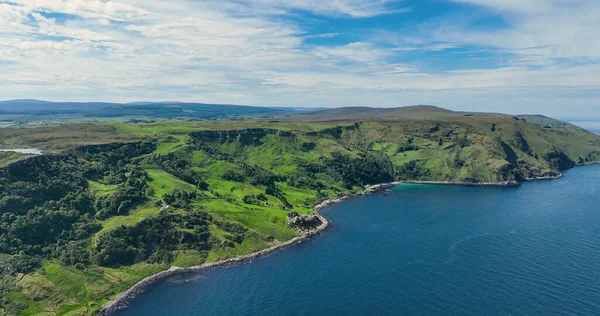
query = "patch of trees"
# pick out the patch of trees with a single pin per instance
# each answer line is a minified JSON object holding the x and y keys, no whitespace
{"x":260,"y":176}
{"x":112,"y":153}
{"x":41,"y":226}
{"x":46,"y":210}
{"x":255,"y":199}
{"x":305,"y":182}
{"x":312,"y":168}
{"x":126,"y":196}
{"x":211,"y":150}
{"x":458,"y":162}
{"x":179,"y":198}
{"x":44,"y":231}
{"x":274,"y":191}
{"x":464,"y":142}
{"x":153,"y":239}
{"x":32,"y":182}
{"x":106,"y":157}
{"x":308,"y":146}
{"x":366,"y":169}
{"x":19,"y":263}
{"x":408,"y":146}
{"x":238,"y":231}
{"x":413,"y":170}
{"x":74,"y":253}
{"x":180,"y":168}
{"x":232,"y":175}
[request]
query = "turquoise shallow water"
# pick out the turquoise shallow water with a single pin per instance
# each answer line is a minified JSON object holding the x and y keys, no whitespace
{"x":423,"y":250}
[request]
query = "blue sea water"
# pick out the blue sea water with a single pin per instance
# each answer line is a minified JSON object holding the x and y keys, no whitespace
{"x":422,"y":250}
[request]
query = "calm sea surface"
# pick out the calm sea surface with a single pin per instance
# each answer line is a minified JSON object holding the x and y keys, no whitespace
{"x":423,"y":250}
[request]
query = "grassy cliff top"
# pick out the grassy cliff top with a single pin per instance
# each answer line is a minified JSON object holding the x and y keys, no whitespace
{"x":377,"y":114}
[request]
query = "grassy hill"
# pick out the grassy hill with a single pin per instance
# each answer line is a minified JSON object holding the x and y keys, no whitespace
{"x":548,"y":122}
{"x":115,"y":202}
{"x":378,"y":114}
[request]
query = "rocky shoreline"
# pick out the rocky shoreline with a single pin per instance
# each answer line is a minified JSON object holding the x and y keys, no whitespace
{"x":511,"y":183}
{"x":121,"y":301}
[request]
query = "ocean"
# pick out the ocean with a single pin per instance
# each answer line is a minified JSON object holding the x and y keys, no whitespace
{"x":591,"y":124}
{"x":420,"y":250}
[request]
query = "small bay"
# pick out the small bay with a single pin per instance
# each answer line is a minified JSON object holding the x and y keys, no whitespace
{"x":420,"y":250}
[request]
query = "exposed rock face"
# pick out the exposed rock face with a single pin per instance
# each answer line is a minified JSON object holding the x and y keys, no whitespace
{"x":304,"y":224}
{"x":336,"y":132}
{"x":249,"y":136}
{"x":235,"y":132}
{"x":560,"y":160}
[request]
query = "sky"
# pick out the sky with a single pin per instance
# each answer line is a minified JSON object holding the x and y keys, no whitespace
{"x":511,"y":56}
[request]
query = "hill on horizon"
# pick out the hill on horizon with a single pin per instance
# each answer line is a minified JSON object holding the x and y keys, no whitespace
{"x":52,"y":111}
{"x":164,"y":110}
{"x":418,"y":112}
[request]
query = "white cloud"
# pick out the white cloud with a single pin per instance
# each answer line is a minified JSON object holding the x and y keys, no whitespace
{"x":539,"y":32}
{"x":94,"y":9}
{"x":520,"y":6}
{"x":242,"y":51}
{"x":352,"y":8}
{"x":433,"y":47}
{"x":322,"y":35}
{"x":357,"y":52}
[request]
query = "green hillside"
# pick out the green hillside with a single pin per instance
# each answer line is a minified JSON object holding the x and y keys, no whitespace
{"x":113,"y":203}
{"x":379,"y":114}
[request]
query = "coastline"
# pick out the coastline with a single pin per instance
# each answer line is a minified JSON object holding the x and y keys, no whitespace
{"x":122,"y":299}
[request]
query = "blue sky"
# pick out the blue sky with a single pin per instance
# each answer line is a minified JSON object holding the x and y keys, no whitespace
{"x":512,"y":56}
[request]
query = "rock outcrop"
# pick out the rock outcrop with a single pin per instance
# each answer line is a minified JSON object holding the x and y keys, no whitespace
{"x":235,"y":132}
{"x":249,"y":136}
{"x":304,"y":224}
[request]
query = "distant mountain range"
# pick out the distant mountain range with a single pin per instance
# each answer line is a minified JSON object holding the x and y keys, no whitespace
{"x":173,"y":109}
{"x":168,"y":109}
{"x":165,"y":109}
{"x":27,"y":106}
